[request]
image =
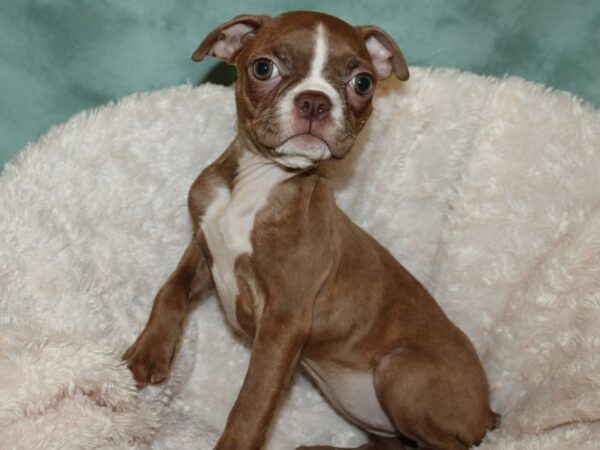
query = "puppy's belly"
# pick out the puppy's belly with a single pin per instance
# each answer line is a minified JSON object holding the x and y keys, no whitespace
{"x":353,"y":395}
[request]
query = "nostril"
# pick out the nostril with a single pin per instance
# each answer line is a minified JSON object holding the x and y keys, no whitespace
{"x":313,"y":105}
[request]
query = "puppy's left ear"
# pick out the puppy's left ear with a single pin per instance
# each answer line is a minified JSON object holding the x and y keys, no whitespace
{"x":385,"y":54}
{"x":226,"y":41}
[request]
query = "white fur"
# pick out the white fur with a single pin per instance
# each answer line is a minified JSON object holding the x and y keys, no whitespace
{"x":229,"y":220}
{"x":353,"y":395}
{"x":299,"y":156}
{"x":485,"y":189}
{"x":294,"y":155}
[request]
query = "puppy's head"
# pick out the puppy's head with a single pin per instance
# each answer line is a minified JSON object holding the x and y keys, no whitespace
{"x":305,"y":81}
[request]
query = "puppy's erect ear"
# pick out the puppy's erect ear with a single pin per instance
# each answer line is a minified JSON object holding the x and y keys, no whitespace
{"x":385,"y":54}
{"x":226,"y":41}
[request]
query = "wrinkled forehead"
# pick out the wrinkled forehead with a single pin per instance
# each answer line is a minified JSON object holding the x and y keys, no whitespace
{"x":295,"y":38}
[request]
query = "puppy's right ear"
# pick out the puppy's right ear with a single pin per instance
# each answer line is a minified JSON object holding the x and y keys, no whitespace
{"x":226,"y":41}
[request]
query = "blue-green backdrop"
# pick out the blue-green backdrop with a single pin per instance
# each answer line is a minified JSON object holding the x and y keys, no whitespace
{"x":61,"y":56}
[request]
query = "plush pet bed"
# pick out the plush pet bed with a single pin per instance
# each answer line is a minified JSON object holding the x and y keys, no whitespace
{"x":485,"y":189}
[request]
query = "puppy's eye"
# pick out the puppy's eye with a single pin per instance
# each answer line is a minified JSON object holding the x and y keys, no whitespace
{"x":363,"y":83}
{"x":264,"y":69}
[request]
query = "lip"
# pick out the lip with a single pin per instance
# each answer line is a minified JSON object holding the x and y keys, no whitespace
{"x":308,"y":135}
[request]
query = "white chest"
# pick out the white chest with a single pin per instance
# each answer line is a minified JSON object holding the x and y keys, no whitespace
{"x":228,"y":223}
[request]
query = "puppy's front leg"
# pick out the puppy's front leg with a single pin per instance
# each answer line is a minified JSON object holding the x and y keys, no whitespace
{"x":150,"y":356}
{"x":278,"y":342}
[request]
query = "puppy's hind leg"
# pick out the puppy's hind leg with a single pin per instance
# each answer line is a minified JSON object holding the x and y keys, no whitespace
{"x":434,"y":400}
{"x":375,"y":443}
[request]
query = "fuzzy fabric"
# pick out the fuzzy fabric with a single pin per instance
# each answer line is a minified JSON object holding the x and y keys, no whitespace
{"x":485,"y":189}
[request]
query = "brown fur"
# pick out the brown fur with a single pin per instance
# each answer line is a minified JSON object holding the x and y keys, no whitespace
{"x":317,"y":287}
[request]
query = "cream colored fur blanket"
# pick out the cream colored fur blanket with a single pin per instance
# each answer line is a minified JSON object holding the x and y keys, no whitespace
{"x":487,"y":190}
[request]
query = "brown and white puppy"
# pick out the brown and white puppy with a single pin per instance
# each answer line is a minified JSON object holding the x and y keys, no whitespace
{"x":292,"y":271}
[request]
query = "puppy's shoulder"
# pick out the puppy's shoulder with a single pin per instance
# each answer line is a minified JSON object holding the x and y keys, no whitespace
{"x":220,"y":173}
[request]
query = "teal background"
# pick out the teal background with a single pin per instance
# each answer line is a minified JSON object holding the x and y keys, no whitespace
{"x":61,"y":56}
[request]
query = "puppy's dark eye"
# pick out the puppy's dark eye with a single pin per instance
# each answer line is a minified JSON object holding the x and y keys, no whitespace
{"x":363,"y":83}
{"x":264,"y":69}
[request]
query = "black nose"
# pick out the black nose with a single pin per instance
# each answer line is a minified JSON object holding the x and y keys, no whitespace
{"x":313,"y":105}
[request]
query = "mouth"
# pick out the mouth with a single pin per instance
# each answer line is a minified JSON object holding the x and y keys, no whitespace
{"x":305,"y":141}
{"x":303,"y":150}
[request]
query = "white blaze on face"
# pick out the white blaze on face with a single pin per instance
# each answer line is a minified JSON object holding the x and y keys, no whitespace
{"x":296,"y":153}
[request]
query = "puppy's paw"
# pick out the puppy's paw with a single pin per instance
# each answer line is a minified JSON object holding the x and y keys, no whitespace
{"x":150,"y":357}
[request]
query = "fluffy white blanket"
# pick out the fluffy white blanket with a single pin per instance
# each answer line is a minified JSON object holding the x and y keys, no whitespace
{"x":486,"y":189}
